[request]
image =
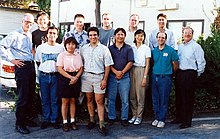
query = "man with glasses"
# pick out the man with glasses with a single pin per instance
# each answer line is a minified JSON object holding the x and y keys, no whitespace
{"x":16,"y":48}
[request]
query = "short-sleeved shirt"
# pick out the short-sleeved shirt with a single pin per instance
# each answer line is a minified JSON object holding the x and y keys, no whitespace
{"x":95,"y":59}
{"x":163,"y":60}
{"x":38,"y":37}
{"x":47,"y":56}
{"x":140,"y":54}
{"x":122,"y":56}
{"x":69,"y":62}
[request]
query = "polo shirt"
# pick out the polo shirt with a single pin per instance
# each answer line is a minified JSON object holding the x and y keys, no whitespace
{"x":163,"y":60}
{"x":122,"y":56}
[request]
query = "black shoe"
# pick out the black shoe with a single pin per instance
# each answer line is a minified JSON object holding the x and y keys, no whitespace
{"x":66,"y":127}
{"x":30,"y":123}
{"x":124,"y":123}
{"x":111,"y":122}
{"x":90,"y":125}
{"x":182,"y":126}
{"x":74,"y":126}
{"x":103,"y":131}
{"x":55,"y":125}
{"x":175,"y":121}
{"x":44,"y":125}
{"x":22,"y":129}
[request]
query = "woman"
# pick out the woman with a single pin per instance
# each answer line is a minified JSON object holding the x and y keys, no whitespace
{"x":69,"y":65}
{"x":139,"y":76}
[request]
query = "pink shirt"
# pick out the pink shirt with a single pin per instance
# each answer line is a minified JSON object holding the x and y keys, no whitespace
{"x":69,"y":62}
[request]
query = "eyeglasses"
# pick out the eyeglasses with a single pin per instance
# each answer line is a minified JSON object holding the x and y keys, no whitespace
{"x":28,"y":22}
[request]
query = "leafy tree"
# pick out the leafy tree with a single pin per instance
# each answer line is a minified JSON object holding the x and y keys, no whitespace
{"x":44,"y":5}
{"x":15,"y":3}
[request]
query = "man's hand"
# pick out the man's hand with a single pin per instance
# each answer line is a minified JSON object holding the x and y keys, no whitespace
{"x":103,"y":84}
{"x":18,"y":63}
{"x":119,"y":75}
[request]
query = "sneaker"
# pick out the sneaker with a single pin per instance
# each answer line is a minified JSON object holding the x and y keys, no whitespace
{"x":160,"y":124}
{"x":155,"y":123}
{"x":138,"y":121}
{"x":131,"y":121}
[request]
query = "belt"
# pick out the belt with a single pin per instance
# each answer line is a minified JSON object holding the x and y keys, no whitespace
{"x":95,"y":73}
{"x":50,"y":73}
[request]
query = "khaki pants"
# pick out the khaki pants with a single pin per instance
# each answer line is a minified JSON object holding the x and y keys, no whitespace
{"x":137,"y":92}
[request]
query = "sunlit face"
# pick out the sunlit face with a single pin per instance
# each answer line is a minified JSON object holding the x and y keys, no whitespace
{"x":70,"y":47}
{"x":161,"y":38}
{"x":43,"y":21}
{"x":106,"y":20}
{"x":120,"y":37}
{"x":93,"y":37}
{"x":139,"y":38}
{"x":27,"y":22}
{"x":134,"y":20}
{"x":79,"y":23}
{"x":187,"y":34}
{"x":161,"y":22}
{"x":52,"y":35}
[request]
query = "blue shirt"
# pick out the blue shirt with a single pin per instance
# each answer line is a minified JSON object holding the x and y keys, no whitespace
{"x":163,"y":60}
{"x":81,"y":38}
{"x":170,"y":39}
{"x":191,"y":56}
{"x":122,"y":56}
{"x":106,"y":36}
{"x":17,"y":45}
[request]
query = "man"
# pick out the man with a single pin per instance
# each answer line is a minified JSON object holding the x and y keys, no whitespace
{"x":165,"y":62}
{"x":106,"y":31}
{"x":119,"y":79}
{"x":161,"y":21}
{"x":97,"y":60}
{"x":16,"y":48}
{"x":133,"y":26}
{"x":78,"y":33}
{"x":46,"y":58}
{"x":191,"y":65}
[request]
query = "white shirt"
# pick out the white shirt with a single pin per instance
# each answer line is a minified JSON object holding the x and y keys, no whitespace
{"x":140,"y":54}
{"x":47,"y":56}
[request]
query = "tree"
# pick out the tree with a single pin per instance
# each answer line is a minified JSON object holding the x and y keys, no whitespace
{"x":98,"y":13}
{"x":44,"y":5}
{"x":23,"y":4}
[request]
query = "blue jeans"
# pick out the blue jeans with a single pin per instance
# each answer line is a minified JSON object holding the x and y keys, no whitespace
{"x":161,"y":87}
{"x":122,"y":87}
{"x":48,"y":88}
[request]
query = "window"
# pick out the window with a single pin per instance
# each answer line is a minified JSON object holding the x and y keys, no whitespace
{"x":177,"y":25}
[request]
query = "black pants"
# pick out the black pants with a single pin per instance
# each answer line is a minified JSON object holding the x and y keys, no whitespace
{"x":25,"y":79}
{"x":185,"y":85}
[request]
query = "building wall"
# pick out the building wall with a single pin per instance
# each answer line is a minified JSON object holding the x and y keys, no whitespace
{"x":148,"y":10}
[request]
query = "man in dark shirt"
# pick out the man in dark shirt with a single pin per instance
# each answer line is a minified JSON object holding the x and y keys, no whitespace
{"x":119,"y":80}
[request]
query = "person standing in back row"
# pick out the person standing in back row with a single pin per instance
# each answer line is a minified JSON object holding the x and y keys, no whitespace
{"x":162,"y":21}
{"x":16,"y":48}
{"x":191,"y":65}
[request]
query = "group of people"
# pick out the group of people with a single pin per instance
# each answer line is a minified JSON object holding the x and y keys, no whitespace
{"x":101,"y":63}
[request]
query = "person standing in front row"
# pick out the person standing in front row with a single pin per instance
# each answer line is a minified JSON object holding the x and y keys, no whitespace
{"x":119,"y":78}
{"x":46,"y":58}
{"x":97,"y":61}
{"x":69,"y":65}
{"x":165,"y":63}
{"x":139,"y":76}
{"x":161,"y":21}
{"x":16,"y":48}
{"x":191,"y":65}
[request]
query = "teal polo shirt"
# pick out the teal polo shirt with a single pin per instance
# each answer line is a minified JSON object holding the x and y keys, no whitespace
{"x":163,"y":59}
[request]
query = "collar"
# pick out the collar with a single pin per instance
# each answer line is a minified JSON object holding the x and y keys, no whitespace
{"x":82,"y":33}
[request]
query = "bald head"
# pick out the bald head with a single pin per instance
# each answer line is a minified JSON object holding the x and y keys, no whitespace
{"x":27,"y":22}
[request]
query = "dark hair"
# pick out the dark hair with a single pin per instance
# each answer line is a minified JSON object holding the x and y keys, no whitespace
{"x":139,"y":31}
{"x":42,"y":13}
{"x":53,"y":27}
{"x":162,"y":32}
{"x":93,"y":29}
{"x":70,"y":40}
{"x":161,"y":15}
{"x":78,"y":15}
{"x":120,"y":29}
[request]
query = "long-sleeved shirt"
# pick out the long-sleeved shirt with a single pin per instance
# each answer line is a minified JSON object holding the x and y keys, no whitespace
{"x":170,"y":39}
{"x":17,"y":45}
{"x":191,"y":56}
